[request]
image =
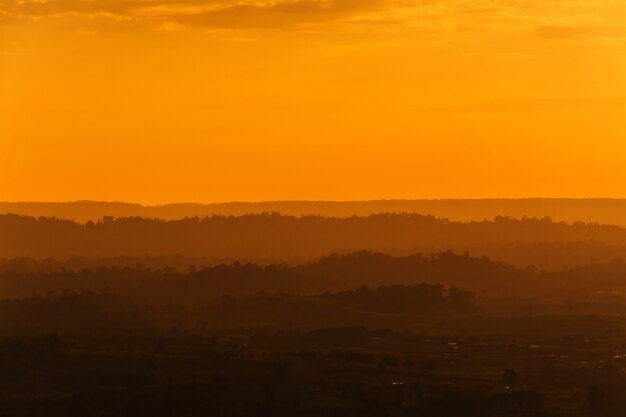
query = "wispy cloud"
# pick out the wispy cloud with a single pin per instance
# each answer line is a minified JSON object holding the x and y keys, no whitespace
{"x":279,"y":14}
{"x":575,"y":19}
{"x":529,"y":105}
{"x":214,"y":13}
{"x":581,"y":32}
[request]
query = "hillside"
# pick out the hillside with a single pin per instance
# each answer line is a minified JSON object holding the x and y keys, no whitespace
{"x":331,"y":273}
{"x":606,"y":211}
{"x":270,"y":238}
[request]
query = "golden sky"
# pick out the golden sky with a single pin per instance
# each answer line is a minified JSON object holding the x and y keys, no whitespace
{"x":159,"y":101}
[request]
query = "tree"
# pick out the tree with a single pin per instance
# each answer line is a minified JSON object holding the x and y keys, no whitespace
{"x":595,"y":396}
{"x":509,"y":377}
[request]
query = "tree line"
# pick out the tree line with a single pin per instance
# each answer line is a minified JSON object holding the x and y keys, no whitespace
{"x":271,"y":237}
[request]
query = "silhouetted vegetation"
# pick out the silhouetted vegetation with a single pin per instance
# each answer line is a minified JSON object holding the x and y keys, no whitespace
{"x":275,"y":237}
{"x":129,"y":328}
{"x":594,"y":210}
{"x":244,"y":339}
{"x":590,"y":284}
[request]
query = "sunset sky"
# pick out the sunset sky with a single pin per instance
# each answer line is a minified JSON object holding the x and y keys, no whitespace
{"x":158,"y":101}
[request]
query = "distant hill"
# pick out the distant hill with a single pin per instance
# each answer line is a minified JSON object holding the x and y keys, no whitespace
{"x":606,"y":211}
{"x":329,"y":274}
{"x":278,"y":238}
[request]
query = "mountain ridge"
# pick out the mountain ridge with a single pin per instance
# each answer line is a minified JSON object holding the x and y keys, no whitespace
{"x":590,"y":210}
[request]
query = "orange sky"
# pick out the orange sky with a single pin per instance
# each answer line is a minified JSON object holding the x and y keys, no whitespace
{"x":158,"y":101}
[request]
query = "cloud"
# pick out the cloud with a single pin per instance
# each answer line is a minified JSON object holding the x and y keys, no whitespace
{"x":280,"y":14}
{"x":581,"y":32}
{"x":530,"y":105}
{"x":213,"y":13}
{"x":543,"y":18}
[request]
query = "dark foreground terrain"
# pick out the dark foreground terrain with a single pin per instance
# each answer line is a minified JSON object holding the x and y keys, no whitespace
{"x":362,"y":334}
{"x":348,"y":371}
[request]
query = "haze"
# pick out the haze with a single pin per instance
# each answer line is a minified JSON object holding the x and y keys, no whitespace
{"x":311,"y":208}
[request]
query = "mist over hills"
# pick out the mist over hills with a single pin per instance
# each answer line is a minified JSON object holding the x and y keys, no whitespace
{"x":593,"y":210}
{"x":336,"y":272}
{"x":279,"y":238}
